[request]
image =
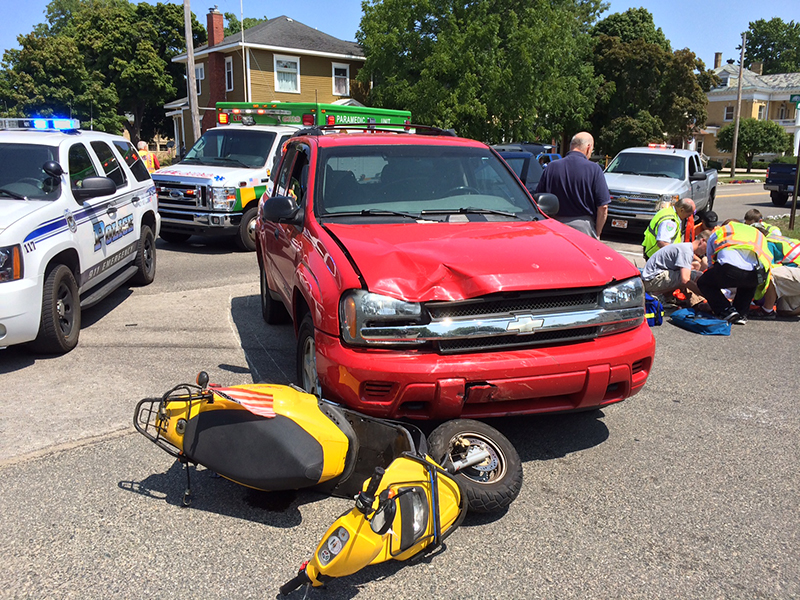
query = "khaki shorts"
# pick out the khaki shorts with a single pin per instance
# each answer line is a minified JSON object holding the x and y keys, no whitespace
{"x":787,"y":284}
{"x":667,"y":281}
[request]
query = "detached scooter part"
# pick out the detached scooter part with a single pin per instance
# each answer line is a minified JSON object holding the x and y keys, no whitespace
{"x":407,"y":509}
{"x":275,"y":437}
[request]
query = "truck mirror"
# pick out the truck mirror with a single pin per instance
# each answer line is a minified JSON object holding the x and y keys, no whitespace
{"x":548,"y":203}
{"x":94,"y":187}
{"x":698,"y":176}
{"x":280,"y":209}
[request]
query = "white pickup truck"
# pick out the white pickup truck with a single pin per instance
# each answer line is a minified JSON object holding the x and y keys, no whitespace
{"x":644,"y":180}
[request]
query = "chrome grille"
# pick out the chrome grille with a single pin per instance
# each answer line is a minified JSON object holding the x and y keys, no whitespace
{"x":517,"y":341}
{"x":180,"y":195}
{"x":499,"y":306}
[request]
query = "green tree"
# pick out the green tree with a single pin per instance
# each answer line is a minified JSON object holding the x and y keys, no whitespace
{"x":235,"y":26}
{"x":774,"y":43}
{"x":645,"y":83}
{"x":755,"y":137}
{"x":502,"y":70}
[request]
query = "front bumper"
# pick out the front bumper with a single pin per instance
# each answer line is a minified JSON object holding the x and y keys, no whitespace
{"x":426,"y":385}
{"x":199,"y":223}
{"x":20,"y":311}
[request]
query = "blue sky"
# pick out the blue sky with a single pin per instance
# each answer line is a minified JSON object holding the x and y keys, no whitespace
{"x":704,"y":27}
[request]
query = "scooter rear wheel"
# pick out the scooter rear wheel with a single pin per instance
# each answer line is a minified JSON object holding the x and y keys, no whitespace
{"x":491,"y":485}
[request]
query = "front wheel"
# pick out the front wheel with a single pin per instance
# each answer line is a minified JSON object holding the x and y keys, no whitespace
{"x":490,"y":485}
{"x":61,"y":313}
{"x":246,"y":236}
{"x":712,"y":195}
{"x":307,"y":375}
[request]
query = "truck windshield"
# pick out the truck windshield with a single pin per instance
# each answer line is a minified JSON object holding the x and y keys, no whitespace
{"x":650,"y":165}
{"x":232,"y":147}
{"x":430,"y":182}
{"x":21,"y":173}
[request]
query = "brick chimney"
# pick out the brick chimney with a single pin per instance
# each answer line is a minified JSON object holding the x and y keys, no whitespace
{"x":215,"y":67}
{"x":757,"y":67}
{"x":216,"y":26}
{"x":717,"y":60}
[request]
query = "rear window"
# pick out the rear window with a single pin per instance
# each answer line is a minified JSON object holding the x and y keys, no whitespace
{"x":132,"y":159}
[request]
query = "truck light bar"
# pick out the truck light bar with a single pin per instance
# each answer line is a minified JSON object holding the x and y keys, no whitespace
{"x":661,"y":146}
{"x":43,"y":124}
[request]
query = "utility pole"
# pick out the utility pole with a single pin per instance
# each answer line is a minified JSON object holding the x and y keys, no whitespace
{"x":192,"y":84}
{"x":738,"y":106}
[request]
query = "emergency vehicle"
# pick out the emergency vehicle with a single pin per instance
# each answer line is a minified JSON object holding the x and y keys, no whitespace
{"x":78,"y":219}
{"x":215,"y":189}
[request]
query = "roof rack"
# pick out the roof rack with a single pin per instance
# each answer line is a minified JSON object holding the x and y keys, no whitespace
{"x":372,"y":127}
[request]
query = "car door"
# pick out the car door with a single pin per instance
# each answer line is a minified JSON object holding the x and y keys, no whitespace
{"x":699,"y":187}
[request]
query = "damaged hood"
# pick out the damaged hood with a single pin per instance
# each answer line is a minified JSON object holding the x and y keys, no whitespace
{"x":456,"y":261}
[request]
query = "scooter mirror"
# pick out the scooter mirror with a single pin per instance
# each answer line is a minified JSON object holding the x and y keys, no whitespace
{"x":202,"y":379}
{"x":383,"y":518}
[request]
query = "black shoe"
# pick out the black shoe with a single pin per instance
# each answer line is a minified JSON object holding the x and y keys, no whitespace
{"x":738,"y":320}
{"x":762,"y":315}
{"x":730,"y":315}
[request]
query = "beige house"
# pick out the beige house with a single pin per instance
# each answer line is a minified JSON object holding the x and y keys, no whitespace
{"x":763,"y":97}
{"x":279,"y":60}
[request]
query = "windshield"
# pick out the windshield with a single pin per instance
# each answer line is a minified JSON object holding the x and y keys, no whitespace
{"x":651,"y":165}
{"x":232,"y":147}
{"x":421,"y":182}
{"x":21,"y":173}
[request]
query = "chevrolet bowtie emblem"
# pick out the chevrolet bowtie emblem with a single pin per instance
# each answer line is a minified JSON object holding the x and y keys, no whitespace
{"x":524,"y":324}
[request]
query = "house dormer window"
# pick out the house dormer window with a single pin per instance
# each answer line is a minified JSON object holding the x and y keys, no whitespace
{"x":287,"y":74}
{"x":341,"y":79}
{"x":723,"y":79}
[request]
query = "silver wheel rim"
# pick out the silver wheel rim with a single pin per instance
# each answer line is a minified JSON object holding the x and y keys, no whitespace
{"x":491,"y":470}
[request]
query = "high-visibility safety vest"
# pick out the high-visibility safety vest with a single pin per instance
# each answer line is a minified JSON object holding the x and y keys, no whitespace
{"x":785,"y":250}
{"x":767,"y":229}
{"x":149,"y":160}
{"x":689,"y":232}
{"x":738,"y":236}
{"x":650,"y":243}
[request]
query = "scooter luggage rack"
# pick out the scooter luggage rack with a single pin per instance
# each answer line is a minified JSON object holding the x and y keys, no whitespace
{"x":150,"y":410}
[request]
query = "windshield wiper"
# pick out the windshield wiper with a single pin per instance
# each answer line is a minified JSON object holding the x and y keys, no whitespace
{"x":11,"y":194}
{"x":470,"y":210}
{"x":192,"y":161}
{"x":373,"y":212}
{"x":620,"y":172}
{"x":235,"y":161}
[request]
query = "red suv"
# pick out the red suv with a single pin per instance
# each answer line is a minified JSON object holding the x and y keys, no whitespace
{"x":424,"y":282}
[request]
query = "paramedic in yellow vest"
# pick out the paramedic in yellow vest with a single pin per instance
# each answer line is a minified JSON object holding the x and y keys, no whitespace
{"x":149,"y":158}
{"x":666,"y":225}
{"x":738,"y":257}
{"x":783,"y":294}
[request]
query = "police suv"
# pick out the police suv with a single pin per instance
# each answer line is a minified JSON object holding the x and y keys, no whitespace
{"x":78,"y":219}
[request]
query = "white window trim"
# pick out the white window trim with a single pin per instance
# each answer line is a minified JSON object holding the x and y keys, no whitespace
{"x":733,"y":113}
{"x":228,"y":70}
{"x":335,"y":66}
{"x":199,"y":76}
{"x":284,"y":57}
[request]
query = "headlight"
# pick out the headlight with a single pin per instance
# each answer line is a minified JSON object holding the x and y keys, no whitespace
{"x":414,"y":507}
{"x":667,"y":199}
{"x":223,"y":198}
{"x":10,"y":263}
{"x":628,"y":294}
{"x":359,"y":308}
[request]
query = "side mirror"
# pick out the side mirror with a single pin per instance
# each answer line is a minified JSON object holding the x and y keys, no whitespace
{"x":94,"y":187}
{"x":281,"y":209}
{"x":698,"y":176}
{"x":53,"y":169}
{"x":170,"y":145}
{"x":383,"y":518}
{"x":548,"y":203}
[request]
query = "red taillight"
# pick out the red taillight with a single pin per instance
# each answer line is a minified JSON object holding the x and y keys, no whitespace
{"x":407,"y":124}
{"x":222,"y":118}
{"x":331,"y":120}
{"x":308,"y":120}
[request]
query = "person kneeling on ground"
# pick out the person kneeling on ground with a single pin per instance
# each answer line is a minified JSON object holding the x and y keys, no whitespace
{"x":784,"y":287}
{"x":670,"y":268}
{"x":754,"y":218}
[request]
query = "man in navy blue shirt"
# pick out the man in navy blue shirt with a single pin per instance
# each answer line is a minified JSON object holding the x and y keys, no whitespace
{"x":580,"y":186}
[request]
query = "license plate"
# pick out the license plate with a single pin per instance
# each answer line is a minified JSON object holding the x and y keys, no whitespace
{"x":619,"y":223}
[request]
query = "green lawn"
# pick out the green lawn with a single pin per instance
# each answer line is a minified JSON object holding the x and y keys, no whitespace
{"x":783,"y":224}
{"x":742,"y":177}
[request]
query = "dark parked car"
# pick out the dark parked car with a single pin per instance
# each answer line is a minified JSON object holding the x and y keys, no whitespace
{"x":524,"y":165}
{"x":780,"y":182}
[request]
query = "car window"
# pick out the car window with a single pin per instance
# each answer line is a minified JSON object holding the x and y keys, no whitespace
{"x":284,"y":176}
{"x":132,"y":159}
{"x":21,"y":173}
{"x":80,"y":165}
{"x":110,"y":163}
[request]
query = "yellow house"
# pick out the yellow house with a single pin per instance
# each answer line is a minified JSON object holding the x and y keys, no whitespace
{"x":280,"y":59}
{"x":763,"y":97}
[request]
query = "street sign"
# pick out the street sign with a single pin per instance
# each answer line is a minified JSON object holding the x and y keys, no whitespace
{"x":795,"y":98}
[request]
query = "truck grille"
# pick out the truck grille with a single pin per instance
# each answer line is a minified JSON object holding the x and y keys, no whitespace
{"x":635,"y":200}
{"x":180,"y":195}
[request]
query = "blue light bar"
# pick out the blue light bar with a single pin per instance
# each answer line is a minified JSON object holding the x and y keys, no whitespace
{"x":56,"y":124}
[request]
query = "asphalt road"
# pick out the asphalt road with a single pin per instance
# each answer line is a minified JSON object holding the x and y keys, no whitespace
{"x":687,"y":490}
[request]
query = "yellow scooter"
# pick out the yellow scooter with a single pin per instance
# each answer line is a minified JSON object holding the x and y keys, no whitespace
{"x":408,"y":508}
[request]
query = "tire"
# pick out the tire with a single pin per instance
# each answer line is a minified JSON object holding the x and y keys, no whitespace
{"x":488,"y":488}
{"x":712,"y":195}
{"x":145,"y":258}
{"x":307,"y":376}
{"x":172,"y":237}
{"x":272,"y":310}
{"x":779,"y":198}
{"x":246,"y":237}
{"x":61,"y":313}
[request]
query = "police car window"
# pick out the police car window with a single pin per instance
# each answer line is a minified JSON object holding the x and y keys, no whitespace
{"x":80,"y":165}
{"x":131,"y":158}
{"x":21,"y":173}
{"x":110,"y":164}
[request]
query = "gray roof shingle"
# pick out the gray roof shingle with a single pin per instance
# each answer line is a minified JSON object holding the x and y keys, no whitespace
{"x":775,"y":83}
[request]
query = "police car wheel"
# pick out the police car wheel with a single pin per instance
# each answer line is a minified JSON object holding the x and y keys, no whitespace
{"x":61,"y":313}
{"x":172,"y":237}
{"x":246,"y":237}
{"x":145,"y":258}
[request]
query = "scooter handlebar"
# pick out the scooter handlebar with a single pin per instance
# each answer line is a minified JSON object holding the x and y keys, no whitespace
{"x":375,"y":481}
{"x":294,"y":583}
{"x":365,"y":499}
